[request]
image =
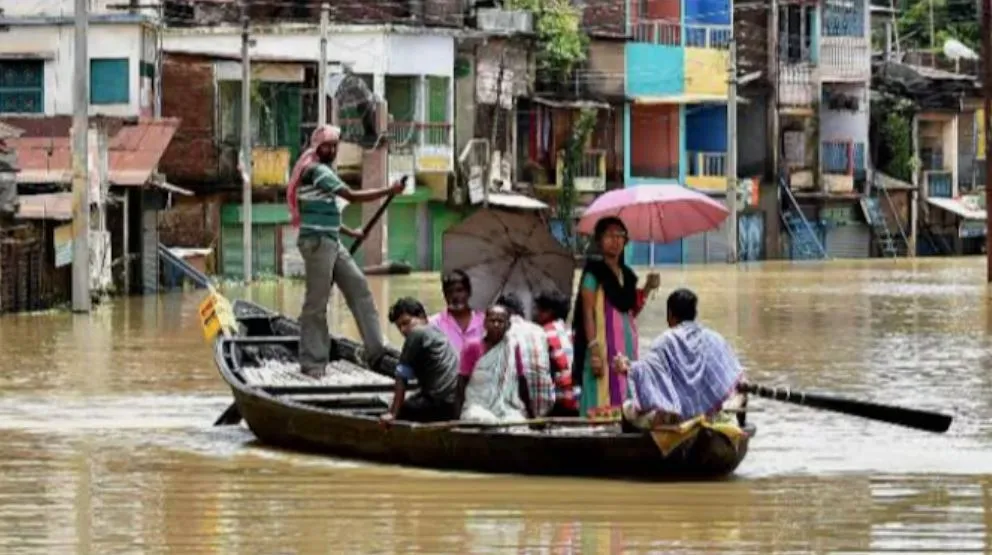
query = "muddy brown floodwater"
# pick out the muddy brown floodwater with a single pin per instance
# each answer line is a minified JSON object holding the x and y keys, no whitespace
{"x":106,"y":444}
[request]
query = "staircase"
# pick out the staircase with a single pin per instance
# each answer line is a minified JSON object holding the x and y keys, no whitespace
{"x":804,"y":243}
{"x":891,"y":245}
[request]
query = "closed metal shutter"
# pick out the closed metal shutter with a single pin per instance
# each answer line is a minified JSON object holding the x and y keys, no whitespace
{"x":706,"y":248}
{"x":849,"y":241}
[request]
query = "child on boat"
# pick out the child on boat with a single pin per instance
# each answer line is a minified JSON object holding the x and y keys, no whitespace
{"x":550,"y":312}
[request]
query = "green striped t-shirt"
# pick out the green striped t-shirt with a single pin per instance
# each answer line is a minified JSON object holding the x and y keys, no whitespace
{"x":317,"y":201}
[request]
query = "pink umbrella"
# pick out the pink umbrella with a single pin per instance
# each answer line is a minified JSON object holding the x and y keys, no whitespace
{"x":658,"y":213}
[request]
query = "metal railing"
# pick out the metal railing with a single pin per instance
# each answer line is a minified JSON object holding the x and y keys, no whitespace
{"x":938,"y":183}
{"x":590,"y":175}
{"x":845,"y":58}
{"x":709,"y":36}
{"x":658,"y":31}
{"x":405,"y":135}
{"x":804,"y":241}
{"x":707,"y":164}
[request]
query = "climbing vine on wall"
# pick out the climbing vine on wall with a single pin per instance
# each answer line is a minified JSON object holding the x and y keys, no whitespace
{"x":574,"y":148}
{"x":558,"y":24}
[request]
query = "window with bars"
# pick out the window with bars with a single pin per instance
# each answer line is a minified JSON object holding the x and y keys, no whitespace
{"x":795,"y":31}
{"x":22,"y":86}
{"x":844,"y":18}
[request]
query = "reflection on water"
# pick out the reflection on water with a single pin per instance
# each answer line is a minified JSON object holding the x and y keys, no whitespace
{"x":105,"y":427}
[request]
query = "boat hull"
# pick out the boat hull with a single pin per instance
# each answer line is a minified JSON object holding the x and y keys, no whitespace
{"x":596,"y":452}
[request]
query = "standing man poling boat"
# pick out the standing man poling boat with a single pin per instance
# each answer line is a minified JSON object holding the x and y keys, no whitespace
{"x":312,"y":197}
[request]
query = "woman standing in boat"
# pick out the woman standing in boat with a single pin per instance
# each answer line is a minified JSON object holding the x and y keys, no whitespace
{"x":605,"y":324}
{"x":491,"y":382}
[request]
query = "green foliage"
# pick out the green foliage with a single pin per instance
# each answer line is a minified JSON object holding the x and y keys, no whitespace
{"x":559,"y":30}
{"x":574,"y":148}
{"x":897,"y":145}
{"x":952,"y":19}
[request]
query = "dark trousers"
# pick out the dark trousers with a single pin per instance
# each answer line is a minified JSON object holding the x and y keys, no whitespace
{"x":418,"y":408}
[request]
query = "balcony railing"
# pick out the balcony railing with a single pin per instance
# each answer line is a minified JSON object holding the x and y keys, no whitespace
{"x":669,"y":33}
{"x":590,"y":175}
{"x":795,"y":85}
{"x":938,"y":183}
{"x":845,"y":59}
{"x":708,"y":36}
{"x":707,"y":164}
{"x":405,"y":135}
{"x":658,"y":31}
{"x":843,"y":157}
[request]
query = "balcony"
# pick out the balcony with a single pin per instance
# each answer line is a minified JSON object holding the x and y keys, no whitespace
{"x":658,"y":31}
{"x":795,"y":84}
{"x":423,"y":147}
{"x":845,"y":59}
{"x":938,"y":183}
{"x":841,"y":161}
{"x":708,"y":36}
{"x":707,"y":171}
{"x":590,"y":175}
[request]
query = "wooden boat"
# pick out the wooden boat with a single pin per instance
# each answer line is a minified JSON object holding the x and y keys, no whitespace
{"x":389,"y":268}
{"x":343,"y":420}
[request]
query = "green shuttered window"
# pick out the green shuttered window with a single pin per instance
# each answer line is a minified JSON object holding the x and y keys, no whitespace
{"x":22,"y":86}
{"x":109,"y":83}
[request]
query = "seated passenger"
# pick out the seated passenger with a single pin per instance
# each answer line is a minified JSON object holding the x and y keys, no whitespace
{"x":491,"y":382}
{"x":550,"y":312}
{"x":530,"y":339}
{"x":458,"y":321}
{"x":428,"y":357}
{"x":689,"y":371}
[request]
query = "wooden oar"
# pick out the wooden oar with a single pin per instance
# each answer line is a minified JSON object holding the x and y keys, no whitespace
{"x":910,"y":418}
{"x":231,"y":416}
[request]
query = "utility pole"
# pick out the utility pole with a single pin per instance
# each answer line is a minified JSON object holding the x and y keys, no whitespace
{"x":494,"y":132}
{"x":325,"y":17}
{"x":987,"y":117}
{"x":246,"y":169}
{"x":732,"y":155}
{"x":81,"y":301}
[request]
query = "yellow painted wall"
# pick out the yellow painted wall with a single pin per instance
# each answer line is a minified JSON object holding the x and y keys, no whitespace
{"x":706,"y":71}
{"x":708,"y":183}
{"x":980,"y":133}
{"x":270,"y":166}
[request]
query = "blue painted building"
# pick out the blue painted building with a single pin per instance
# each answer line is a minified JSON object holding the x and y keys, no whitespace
{"x":676,"y":123}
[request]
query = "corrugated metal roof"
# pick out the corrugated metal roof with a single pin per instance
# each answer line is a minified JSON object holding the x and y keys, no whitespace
{"x":133,"y":152}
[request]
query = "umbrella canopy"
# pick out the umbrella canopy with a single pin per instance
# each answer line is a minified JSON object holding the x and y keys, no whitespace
{"x":508,"y":251}
{"x":658,"y":213}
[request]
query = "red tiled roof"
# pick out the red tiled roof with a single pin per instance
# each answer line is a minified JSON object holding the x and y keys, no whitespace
{"x":134,"y":151}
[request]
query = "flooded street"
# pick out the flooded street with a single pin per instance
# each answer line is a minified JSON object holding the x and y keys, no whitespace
{"x":105,"y":427}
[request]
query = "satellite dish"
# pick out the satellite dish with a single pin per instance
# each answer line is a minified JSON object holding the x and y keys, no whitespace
{"x":351,"y":92}
{"x":955,"y":50}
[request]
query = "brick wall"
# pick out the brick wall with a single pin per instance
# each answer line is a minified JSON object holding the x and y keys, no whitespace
{"x":188,"y":93}
{"x":605,"y":18}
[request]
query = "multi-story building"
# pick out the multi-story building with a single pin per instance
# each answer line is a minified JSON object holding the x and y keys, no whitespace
{"x":37,"y":63}
{"x":404,"y":53}
{"x":675,"y":125}
{"x":821,"y":78}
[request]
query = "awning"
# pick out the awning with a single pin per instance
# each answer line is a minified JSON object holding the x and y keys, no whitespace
{"x":956,"y":206}
{"x":52,"y":206}
{"x":685,"y":98}
{"x":573,"y":104}
{"x":516,"y":201}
